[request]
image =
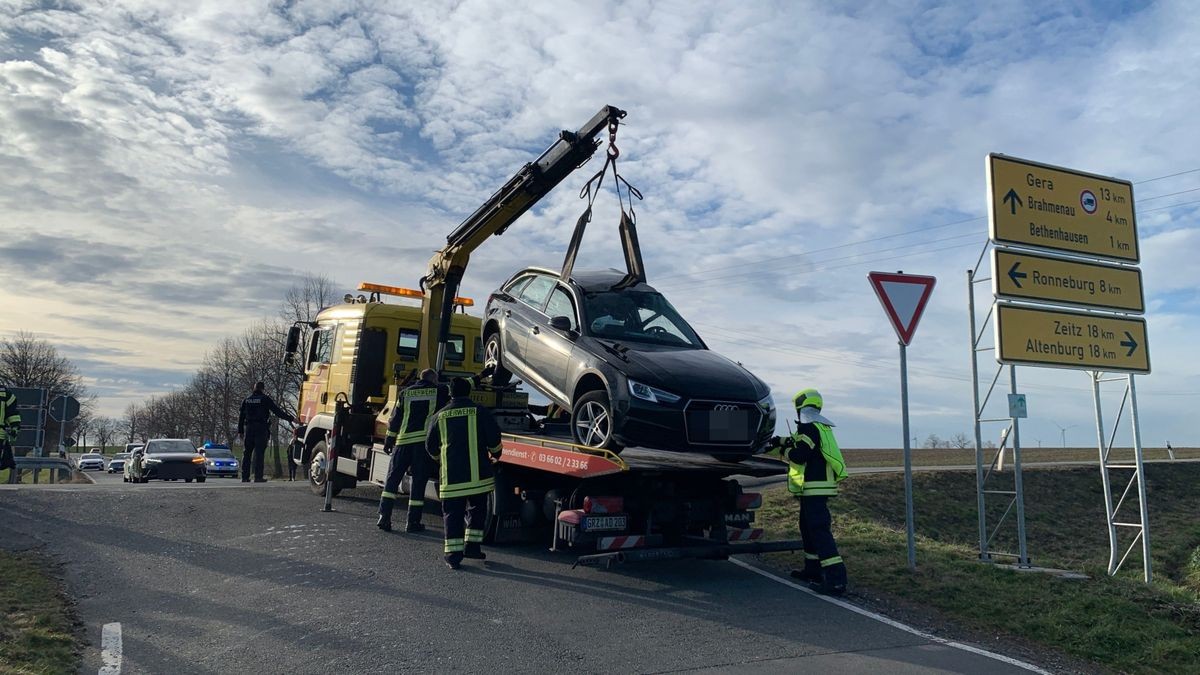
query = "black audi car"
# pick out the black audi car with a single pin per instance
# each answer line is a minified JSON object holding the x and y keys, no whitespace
{"x":625,"y":363}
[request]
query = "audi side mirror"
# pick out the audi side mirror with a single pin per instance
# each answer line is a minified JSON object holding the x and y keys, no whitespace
{"x":562,"y":323}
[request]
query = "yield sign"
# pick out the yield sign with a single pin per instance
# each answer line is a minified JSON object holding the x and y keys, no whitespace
{"x":903,"y":297}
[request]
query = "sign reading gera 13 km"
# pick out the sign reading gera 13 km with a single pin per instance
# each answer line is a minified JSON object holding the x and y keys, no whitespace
{"x":1032,"y":204}
{"x":1052,"y":337}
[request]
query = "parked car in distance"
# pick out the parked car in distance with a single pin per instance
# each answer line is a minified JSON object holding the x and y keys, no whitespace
{"x":220,"y":461}
{"x":625,"y":363}
{"x":166,"y":459}
{"x":130,"y":446}
{"x":90,"y":461}
{"x":117,"y":463}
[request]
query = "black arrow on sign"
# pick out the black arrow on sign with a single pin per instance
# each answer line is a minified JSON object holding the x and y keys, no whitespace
{"x":1015,"y":275}
{"x":1013,"y":200}
{"x":1131,"y":343}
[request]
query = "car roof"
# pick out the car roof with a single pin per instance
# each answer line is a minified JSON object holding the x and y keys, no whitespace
{"x":590,"y":281}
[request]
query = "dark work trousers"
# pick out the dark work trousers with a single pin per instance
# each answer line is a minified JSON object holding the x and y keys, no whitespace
{"x":255,"y":446}
{"x":462,"y":518}
{"x":410,"y":456}
{"x":820,"y":550}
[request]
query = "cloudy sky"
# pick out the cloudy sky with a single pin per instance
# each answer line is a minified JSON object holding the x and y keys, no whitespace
{"x":169,"y":168}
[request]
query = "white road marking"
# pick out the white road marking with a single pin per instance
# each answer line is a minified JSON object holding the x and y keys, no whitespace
{"x":891,"y":622}
{"x":110,"y":649}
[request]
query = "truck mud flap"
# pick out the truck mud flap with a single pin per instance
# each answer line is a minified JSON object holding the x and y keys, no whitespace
{"x":709,"y":550}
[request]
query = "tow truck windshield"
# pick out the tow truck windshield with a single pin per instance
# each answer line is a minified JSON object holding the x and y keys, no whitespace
{"x":637,"y":317}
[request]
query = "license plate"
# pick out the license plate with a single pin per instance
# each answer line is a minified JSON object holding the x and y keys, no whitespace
{"x":604,"y":523}
{"x":728,"y":425}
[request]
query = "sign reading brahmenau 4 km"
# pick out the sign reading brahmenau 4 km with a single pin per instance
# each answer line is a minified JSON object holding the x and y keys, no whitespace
{"x":1051,"y":337}
{"x":1032,"y":204}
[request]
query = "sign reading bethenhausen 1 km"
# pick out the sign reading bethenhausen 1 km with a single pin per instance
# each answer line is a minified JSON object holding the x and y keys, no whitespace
{"x":1026,"y":276}
{"x":1032,"y":204}
{"x":1051,"y":337}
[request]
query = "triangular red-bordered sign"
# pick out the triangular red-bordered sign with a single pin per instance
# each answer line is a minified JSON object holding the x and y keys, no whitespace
{"x":903,"y":297}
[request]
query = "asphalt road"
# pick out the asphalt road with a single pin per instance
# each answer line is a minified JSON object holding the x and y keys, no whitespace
{"x":227,"y":577}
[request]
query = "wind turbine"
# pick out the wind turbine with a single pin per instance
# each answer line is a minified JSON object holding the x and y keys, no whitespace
{"x":1064,"y":431}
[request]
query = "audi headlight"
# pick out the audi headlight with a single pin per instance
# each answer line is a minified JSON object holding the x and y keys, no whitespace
{"x":648,"y":393}
{"x":767,"y":404}
{"x":151,"y":460}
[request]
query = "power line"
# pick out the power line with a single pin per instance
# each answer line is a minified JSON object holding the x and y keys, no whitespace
{"x":908,"y":233}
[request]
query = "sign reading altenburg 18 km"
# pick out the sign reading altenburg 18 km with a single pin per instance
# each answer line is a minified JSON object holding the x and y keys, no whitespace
{"x":1034,"y":204}
{"x":1051,"y":337}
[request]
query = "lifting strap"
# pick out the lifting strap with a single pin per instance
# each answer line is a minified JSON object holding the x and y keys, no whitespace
{"x":628,"y":228}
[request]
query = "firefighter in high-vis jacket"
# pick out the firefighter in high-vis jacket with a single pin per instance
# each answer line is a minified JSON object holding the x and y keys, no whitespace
{"x":406,"y":432}
{"x":465,"y":438}
{"x":815,"y":467}
{"x":10,"y":426}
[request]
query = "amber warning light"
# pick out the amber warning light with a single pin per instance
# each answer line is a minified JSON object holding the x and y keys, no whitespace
{"x":405,"y":293}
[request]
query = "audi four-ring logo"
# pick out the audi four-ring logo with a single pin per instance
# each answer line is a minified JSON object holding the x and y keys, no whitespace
{"x":725,"y":407}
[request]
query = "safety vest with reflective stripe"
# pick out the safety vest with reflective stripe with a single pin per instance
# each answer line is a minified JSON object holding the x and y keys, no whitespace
{"x":815,"y":466}
{"x":416,"y":403}
{"x":465,"y":438}
{"x":10,"y":418}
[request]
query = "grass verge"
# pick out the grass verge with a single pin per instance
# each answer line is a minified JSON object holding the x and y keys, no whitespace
{"x":1118,"y":623}
{"x":37,"y":633}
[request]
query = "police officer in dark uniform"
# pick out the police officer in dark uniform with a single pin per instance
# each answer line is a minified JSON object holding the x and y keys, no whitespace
{"x":406,"y":432}
{"x":466,"y":439}
{"x":254,"y":427}
{"x":10,"y":426}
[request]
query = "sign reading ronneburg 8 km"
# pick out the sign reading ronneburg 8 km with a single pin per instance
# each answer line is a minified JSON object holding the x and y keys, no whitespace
{"x":1041,"y":278}
{"x":1050,"y":207}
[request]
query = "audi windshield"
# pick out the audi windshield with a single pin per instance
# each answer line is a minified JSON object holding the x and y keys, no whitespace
{"x":637,"y":317}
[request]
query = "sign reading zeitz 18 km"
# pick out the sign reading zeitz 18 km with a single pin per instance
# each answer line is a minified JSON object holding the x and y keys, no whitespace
{"x":1017,"y":275}
{"x":1051,"y":337}
{"x":1034,"y":204}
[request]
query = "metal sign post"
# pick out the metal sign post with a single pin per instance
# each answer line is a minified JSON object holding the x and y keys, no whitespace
{"x":909,"y":525}
{"x":904,"y":297}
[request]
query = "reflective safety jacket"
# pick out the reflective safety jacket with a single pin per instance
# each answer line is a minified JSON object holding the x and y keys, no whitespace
{"x":415,"y":405}
{"x":10,"y":418}
{"x":815,"y":464}
{"x":465,"y":438}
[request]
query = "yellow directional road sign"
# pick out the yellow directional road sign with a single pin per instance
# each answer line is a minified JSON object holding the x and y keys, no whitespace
{"x":1034,"y":204}
{"x":1048,"y":337}
{"x":1025,"y":276}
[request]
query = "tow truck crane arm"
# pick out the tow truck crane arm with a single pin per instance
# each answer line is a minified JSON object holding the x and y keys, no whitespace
{"x":533,"y":182}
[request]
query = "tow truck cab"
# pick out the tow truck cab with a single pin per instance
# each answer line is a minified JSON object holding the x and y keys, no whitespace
{"x":364,"y":350}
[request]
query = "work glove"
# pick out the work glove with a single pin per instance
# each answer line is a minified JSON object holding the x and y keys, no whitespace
{"x":388,"y":444}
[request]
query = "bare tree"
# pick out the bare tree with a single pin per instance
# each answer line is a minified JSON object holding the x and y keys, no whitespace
{"x":307,"y":297}
{"x":961,"y":441}
{"x":29,"y":361}
{"x":933,"y":441}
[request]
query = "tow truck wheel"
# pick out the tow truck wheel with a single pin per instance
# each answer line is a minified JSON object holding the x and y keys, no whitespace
{"x":317,"y":473}
{"x":592,"y":422}
{"x":492,"y":357}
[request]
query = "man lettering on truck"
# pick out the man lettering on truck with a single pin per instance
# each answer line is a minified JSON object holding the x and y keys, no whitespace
{"x":465,"y":438}
{"x":815,"y":467}
{"x":414,"y":406}
{"x":254,"y":427}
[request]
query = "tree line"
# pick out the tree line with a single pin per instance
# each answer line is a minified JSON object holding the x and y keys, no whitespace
{"x":207,"y":407}
{"x":204,"y":409}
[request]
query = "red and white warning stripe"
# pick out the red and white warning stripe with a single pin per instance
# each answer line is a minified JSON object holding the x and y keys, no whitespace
{"x":736,"y":534}
{"x":618,"y":543}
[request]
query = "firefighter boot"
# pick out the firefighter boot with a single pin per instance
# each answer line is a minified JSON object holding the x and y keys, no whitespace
{"x":834,"y":581}
{"x":474,"y":551}
{"x":812,"y":569}
{"x":453,"y":560}
{"x":386,"y":505}
{"x":414,"y":524}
